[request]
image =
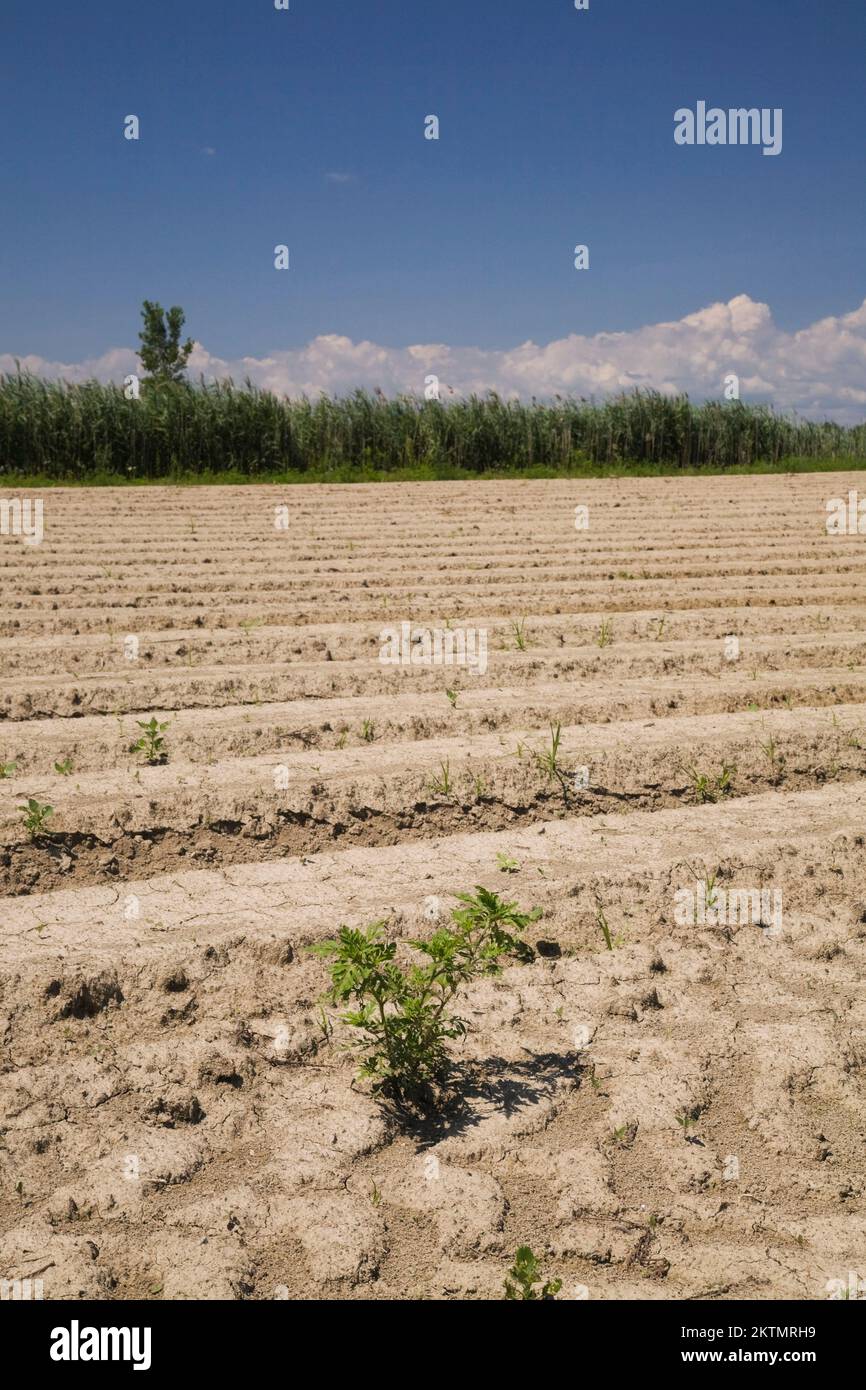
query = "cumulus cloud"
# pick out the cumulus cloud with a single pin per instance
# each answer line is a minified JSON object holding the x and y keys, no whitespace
{"x":819,"y":370}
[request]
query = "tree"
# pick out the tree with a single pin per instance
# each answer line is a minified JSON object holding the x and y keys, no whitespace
{"x":161,"y":352}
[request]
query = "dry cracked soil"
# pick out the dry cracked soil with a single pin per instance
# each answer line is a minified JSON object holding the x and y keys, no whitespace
{"x":678,"y":1114}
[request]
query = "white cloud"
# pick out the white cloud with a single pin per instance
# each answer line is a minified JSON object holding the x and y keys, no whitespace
{"x":819,"y":370}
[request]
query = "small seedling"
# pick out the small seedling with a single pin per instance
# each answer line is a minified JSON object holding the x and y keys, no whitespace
{"x":375,"y":1195}
{"x":442,"y":785}
{"x":547,"y":761}
{"x":506,"y":864}
{"x":151,"y":743}
{"x":452,"y":697}
{"x":35,"y":817}
{"x":325,"y":1024}
{"x":709,"y":788}
{"x":525,"y":1274}
{"x":605,"y":634}
{"x":710,"y":889}
{"x":368,"y":731}
{"x":64,"y":768}
{"x":479,"y":787}
{"x":686,"y":1118}
{"x":623,"y":1136}
{"x":610,"y":941}
{"x":518,"y":632}
{"x":700,"y":784}
{"x":660,"y":628}
{"x":774,"y":757}
{"x":7,"y":769}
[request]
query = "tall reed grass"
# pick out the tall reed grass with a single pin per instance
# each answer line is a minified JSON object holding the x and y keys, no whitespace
{"x":74,"y":432}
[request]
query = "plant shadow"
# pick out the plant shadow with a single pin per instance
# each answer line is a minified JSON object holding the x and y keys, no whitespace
{"x":475,"y":1091}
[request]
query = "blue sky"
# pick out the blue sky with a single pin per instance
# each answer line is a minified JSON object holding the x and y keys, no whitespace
{"x":556,"y":128}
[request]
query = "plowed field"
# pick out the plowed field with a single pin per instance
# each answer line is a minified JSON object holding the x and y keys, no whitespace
{"x":680,"y":1116}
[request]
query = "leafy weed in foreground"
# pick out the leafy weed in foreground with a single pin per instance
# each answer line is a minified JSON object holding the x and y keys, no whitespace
{"x":401,"y":1016}
{"x":525,"y":1274}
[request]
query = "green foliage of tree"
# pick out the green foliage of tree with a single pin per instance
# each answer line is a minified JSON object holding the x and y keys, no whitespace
{"x":162,"y":354}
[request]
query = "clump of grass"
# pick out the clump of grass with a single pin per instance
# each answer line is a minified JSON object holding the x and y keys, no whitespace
{"x":368,"y":731}
{"x":707,"y":787}
{"x":547,"y":759}
{"x":442,"y":784}
{"x":547,"y":762}
{"x":605,"y":634}
{"x":770,"y":750}
{"x":710,"y":881}
{"x":518,"y":633}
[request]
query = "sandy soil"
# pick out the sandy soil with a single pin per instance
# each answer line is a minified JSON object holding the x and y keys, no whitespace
{"x":175,"y":1125}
